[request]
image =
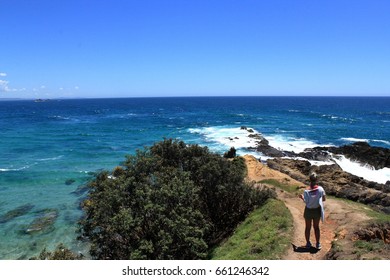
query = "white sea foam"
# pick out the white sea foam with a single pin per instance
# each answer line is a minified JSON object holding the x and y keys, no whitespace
{"x":58,"y":117}
{"x":239,"y":138}
{"x":227,"y":136}
{"x":365,"y":171}
{"x":351,"y":139}
{"x":50,"y":159}
{"x":316,"y":162}
{"x":290,"y":144}
{"x":382,"y":141}
{"x":14,"y":169}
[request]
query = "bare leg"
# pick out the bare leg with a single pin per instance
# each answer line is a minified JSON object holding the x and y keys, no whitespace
{"x":316,"y":226}
{"x":307,"y":230}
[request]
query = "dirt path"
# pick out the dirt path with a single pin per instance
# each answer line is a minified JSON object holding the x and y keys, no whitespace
{"x":341,"y":218}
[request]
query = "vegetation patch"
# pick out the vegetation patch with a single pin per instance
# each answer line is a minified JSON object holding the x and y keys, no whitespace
{"x":377,"y":216}
{"x":265,"y":234}
{"x":60,"y":253}
{"x":168,"y":201}
{"x":284,"y":186}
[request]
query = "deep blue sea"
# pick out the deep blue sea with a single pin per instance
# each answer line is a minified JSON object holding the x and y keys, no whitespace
{"x":49,"y":149}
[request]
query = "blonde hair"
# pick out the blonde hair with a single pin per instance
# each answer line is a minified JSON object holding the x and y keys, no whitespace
{"x":313,"y":177}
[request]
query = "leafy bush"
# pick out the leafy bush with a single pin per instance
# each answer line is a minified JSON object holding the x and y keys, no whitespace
{"x":168,"y":201}
{"x":60,"y":253}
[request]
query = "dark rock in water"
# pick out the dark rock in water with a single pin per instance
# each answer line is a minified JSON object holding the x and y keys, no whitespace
{"x":262,"y":144}
{"x":316,"y":153}
{"x":82,"y":189}
{"x":44,"y":221}
{"x":267,"y":150}
{"x":17,"y":212}
{"x":70,"y":181}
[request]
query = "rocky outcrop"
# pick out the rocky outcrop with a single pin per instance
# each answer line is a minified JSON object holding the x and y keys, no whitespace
{"x":374,"y":231}
{"x":368,"y":242}
{"x":362,"y":152}
{"x":262,"y":144}
{"x":267,"y":150}
{"x":316,"y":153}
{"x":337,"y":182}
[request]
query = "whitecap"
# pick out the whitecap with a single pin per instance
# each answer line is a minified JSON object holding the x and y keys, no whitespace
{"x":351,"y":139}
{"x":382,"y":141}
{"x":50,"y":159}
{"x":58,"y":117}
{"x":14,"y":169}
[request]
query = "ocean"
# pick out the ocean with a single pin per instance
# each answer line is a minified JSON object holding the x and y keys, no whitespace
{"x":50,"y":150}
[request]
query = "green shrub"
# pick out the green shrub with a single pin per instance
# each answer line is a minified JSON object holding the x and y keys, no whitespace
{"x":169,"y":201}
{"x":60,"y":253}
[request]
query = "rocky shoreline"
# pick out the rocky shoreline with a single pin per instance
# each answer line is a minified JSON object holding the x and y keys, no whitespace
{"x":333,"y":178}
{"x":337,"y":182}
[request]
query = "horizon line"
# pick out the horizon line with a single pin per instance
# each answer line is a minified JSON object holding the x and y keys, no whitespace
{"x":189,"y":96}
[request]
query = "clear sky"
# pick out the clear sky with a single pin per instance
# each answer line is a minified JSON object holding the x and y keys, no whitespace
{"x":85,"y":48}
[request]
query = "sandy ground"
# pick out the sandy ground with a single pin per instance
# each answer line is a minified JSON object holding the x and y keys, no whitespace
{"x":340,"y":218}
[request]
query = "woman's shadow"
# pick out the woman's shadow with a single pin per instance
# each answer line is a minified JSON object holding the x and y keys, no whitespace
{"x":304,"y":249}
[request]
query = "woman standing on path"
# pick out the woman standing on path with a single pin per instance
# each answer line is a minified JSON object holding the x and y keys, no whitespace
{"x":314,"y":210}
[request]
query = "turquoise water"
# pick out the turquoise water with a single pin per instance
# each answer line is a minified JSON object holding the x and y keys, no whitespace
{"x":49,"y":150}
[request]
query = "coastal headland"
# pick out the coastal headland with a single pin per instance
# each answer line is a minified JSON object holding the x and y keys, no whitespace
{"x":353,"y":202}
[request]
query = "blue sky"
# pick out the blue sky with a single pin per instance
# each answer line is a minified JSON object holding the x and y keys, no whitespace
{"x":131,"y":48}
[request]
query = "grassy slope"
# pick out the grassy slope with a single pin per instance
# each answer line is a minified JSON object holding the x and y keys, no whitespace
{"x":265,"y":234}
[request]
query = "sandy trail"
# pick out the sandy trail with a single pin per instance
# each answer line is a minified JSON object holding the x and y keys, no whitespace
{"x":341,"y":218}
